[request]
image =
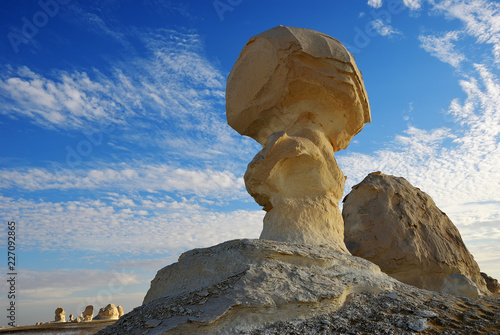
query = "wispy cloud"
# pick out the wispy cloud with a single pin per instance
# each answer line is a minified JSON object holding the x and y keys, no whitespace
{"x":384,"y":28}
{"x":149,"y":178}
{"x":171,"y":81}
{"x":60,"y":283}
{"x":375,"y":3}
{"x":170,"y":98}
{"x":443,"y":47}
{"x":446,"y":159}
{"x":413,"y":4}
{"x":480,"y":17}
{"x":73,"y":100}
{"x":155,"y":224}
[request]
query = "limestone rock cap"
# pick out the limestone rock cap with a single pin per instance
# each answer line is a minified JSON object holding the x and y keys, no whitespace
{"x":286,"y":78}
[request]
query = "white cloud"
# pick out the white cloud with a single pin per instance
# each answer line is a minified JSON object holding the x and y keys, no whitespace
{"x":375,"y":3}
{"x":383,"y":28}
{"x":150,"y":178}
{"x":443,"y":47}
{"x":444,"y":159}
{"x":61,"y":283}
{"x":413,"y":4}
{"x":103,"y":227}
{"x":171,"y":83}
{"x":480,"y":17}
{"x":71,"y":101}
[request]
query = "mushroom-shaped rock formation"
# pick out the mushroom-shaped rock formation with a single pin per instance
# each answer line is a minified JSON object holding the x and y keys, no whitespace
{"x":398,"y":227}
{"x":60,"y":315}
{"x":88,"y":313}
{"x":299,"y":94}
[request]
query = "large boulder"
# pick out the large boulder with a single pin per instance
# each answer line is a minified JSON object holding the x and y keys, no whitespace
{"x":460,"y":285}
{"x":398,"y":227}
{"x":246,"y":284}
{"x":299,"y":93}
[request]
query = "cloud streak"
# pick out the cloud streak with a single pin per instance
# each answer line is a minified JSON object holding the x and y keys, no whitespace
{"x":481,"y":19}
{"x":443,"y":47}
{"x":151,"y":178}
{"x":133,"y":225}
{"x":384,"y":29}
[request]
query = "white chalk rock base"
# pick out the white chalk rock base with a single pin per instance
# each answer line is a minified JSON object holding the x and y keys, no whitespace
{"x":245,"y":284}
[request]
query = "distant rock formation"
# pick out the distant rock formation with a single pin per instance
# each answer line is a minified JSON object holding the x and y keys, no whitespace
{"x":299,"y":94}
{"x":398,"y":227}
{"x":70,"y":318}
{"x":491,"y":283}
{"x":88,"y":313}
{"x":120,"y":311}
{"x":110,"y":312}
{"x":60,"y":315}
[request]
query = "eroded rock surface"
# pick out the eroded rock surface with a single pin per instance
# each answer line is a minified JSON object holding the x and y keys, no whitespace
{"x":400,"y":228}
{"x":491,"y":283}
{"x":265,"y":287}
{"x":299,"y":94}
{"x":460,"y":285}
{"x":406,"y":310}
{"x":246,"y":284}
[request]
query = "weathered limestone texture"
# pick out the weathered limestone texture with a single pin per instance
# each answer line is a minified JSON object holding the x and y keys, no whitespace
{"x":60,"y":315}
{"x":246,"y":284}
{"x":88,"y":313}
{"x":491,"y":283}
{"x":398,"y":227}
{"x":299,"y":94}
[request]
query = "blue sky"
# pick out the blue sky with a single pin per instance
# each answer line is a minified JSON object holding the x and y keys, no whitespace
{"x":116,"y":156}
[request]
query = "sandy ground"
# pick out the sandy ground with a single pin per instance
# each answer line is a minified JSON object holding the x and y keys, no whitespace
{"x":66,"y":328}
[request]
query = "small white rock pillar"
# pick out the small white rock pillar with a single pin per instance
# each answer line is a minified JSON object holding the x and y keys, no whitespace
{"x":88,"y":313}
{"x":60,"y":315}
{"x":299,"y":94}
